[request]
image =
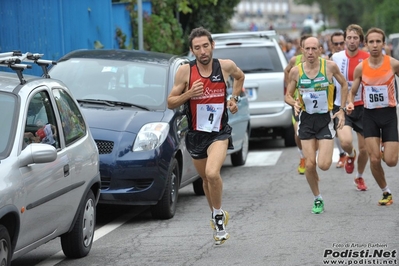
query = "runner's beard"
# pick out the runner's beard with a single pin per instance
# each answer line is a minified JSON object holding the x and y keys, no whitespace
{"x":206,"y":59}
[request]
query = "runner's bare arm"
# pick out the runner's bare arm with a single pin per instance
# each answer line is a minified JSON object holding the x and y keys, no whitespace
{"x":231,"y":69}
{"x":357,"y":78}
{"x":180,"y":94}
{"x":336,"y":73}
{"x":288,"y":68}
{"x":395,"y":66}
{"x":291,"y":87}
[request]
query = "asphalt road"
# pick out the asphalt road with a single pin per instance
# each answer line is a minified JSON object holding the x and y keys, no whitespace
{"x":271,"y":222}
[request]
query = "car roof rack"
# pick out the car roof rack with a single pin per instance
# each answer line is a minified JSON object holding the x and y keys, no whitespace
{"x":14,"y":59}
{"x":248,"y":34}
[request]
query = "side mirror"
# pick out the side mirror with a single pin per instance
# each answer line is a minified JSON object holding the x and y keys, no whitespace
{"x":37,"y":153}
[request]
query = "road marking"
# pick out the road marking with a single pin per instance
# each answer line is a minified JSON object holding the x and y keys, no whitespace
{"x":99,"y":233}
{"x":262,"y":158}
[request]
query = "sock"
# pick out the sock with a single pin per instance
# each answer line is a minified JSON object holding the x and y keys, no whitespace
{"x":338,"y":144}
{"x":318,"y":197}
{"x":386,"y":189}
{"x":352,"y":154}
{"x":217,"y":212}
{"x":301,"y":153}
{"x":359,"y":175}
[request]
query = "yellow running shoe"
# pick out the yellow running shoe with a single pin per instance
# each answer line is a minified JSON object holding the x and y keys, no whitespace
{"x":386,"y":199}
{"x":302,"y":166}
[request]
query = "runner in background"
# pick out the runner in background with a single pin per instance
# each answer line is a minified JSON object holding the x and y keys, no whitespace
{"x":347,"y":60}
{"x":296,"y":60}
{"x":314,"y":81}
{"x":338,"y":44}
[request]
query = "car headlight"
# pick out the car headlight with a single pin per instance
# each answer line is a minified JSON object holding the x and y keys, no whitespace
{"x":151,"y":136}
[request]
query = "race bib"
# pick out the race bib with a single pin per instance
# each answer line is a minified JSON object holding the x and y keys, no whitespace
{"x":209,"y":116}
{"x":376,"y":96}
{"x":315,"y":101}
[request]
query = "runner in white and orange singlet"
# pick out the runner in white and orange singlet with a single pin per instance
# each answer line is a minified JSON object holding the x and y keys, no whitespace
{"x":347,"y":60}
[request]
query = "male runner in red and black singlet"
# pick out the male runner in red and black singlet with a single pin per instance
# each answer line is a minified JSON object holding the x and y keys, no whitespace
{"x":201,"y":86}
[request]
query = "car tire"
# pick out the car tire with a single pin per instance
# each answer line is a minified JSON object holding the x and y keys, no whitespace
{"x":77,"y":243}
{"x":289,"y":137}
{"x":198,"y":187}
{"x":166,"y":206}
{"x":5,"y":247}
{"x":239,"y":158}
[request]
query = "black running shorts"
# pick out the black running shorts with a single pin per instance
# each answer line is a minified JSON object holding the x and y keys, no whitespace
{"x":315,"y":126}
{"x":381,"y":122}
{"x":197,"y":142}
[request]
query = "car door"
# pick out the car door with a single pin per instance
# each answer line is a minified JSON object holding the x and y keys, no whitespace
{"x":189,"y":173}
{"x":46,"y":184}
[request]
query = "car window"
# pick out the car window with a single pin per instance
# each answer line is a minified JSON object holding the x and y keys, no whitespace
{"x":7,"y":110}
{"x":252,"y":59}
{"x":114,"y":80}
{"x":41,"y":126}
{"x":72,"y":121}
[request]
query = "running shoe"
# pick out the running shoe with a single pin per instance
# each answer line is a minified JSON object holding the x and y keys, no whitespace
{"x":360,"y":185}
{"x":226,"y":220}
{"x":341,"y":161}
{"x":219,"y":224}
{"x":318,"y":206}
{"x":350,"y":163}
{"x":301,"y":166}
{"x":386,"y":199}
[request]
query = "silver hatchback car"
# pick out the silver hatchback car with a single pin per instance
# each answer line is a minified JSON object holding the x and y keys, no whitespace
{"x":49,"y":164}
{"x":260,"y":57}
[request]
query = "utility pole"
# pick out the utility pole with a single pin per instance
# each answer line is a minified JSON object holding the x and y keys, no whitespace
{"x":140,"y":23}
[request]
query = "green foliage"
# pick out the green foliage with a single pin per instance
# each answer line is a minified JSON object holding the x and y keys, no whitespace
{"x":385,"y":16}
{"x":167,"y":28}
{"x":373,"y":13}
{"x":214,"y":18}
{"x":183,"y":6}
{"x":162,"y":32}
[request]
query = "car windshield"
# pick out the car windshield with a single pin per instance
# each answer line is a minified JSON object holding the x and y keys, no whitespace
{"x":252,"y":59}
{"x":141,"y":84}
{"x":8,"y":122}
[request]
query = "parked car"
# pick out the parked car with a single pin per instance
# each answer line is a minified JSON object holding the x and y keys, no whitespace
{"x":143,"y":158}
{"x":393,"y":40}
{"x":49,"y":164}
{"x":260,"y":57}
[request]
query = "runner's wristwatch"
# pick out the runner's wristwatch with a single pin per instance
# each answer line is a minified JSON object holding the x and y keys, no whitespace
{"x":236,"y":98}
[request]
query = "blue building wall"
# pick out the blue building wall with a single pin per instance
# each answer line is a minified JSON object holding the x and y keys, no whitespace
{"x":56,"y":27}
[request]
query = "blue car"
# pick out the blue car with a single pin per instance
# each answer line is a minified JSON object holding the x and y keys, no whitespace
{"x":123,"y":95}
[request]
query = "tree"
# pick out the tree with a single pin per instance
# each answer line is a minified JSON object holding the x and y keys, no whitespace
{"x":373,"y":13}
{"x":384,"y":16}
{"x":171,"y":21}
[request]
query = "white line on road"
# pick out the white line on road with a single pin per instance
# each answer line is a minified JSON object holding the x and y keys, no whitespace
{"x":262,"y":158}
{"x":99,"y":233}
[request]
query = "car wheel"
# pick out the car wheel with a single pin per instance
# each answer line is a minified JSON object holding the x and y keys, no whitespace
{"x":239,"y":158}
{"x":198,"y":187}
{"x":289,"y":139}
{"x":166,"y":206}
{"x":5,"y":247}
{"x":77,"y":243}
